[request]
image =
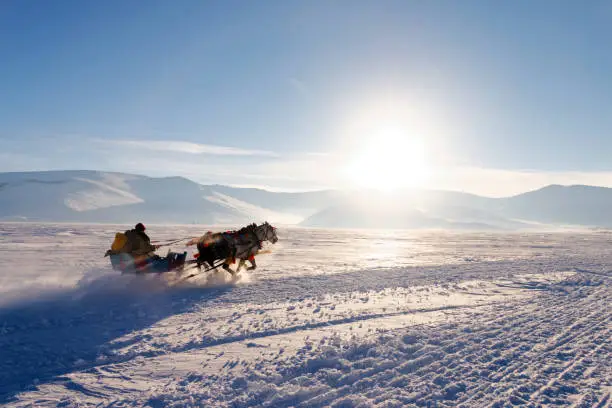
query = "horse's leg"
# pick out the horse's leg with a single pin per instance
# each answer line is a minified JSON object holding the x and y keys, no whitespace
{"x":226,"y":265}
{"x":240,"y":265}
{"x":253,"y":264}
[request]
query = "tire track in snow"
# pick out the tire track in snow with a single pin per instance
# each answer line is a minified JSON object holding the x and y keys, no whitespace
{"x":584,"y":353}
{"x":518,"y":318}
{"x":539,"y":355}
{"x":576,"y":361}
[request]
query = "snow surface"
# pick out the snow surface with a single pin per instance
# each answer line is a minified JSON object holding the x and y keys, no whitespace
{"x":112,"y":191}
{"x":330,"y":318}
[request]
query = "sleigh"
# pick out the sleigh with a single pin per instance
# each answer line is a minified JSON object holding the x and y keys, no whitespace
{"x":214,"y":250}
{"x":125,"y":263}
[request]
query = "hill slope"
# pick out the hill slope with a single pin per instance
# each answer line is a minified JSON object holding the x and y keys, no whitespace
{"x":579,"y":205}
{"x":92,"y":196}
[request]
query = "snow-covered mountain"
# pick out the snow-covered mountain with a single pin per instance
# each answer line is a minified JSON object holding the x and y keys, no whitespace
{"x":555,"y":204}
{"x":92,"y":196}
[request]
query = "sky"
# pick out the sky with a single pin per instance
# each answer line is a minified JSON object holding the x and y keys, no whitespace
{"x":488,"y":97}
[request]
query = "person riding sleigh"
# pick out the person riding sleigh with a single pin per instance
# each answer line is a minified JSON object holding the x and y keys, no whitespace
{"x":132,"y":251}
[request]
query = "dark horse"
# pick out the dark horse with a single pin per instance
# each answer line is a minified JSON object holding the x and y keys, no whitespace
{"x":243,"y":245}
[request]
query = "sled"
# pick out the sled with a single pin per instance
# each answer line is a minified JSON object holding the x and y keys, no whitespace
{"x":125,"y":263}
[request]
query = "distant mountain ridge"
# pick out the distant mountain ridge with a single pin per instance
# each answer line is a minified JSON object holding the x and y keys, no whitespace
{"x":93,"y":196}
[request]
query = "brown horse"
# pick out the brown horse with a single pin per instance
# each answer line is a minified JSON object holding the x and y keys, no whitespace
{"x":241,"y":245}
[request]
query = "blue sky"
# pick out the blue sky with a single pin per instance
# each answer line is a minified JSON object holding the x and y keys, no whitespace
{"x":506,"y":96}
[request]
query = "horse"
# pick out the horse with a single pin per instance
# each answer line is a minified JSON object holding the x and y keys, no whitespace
{"x":243,"y":245}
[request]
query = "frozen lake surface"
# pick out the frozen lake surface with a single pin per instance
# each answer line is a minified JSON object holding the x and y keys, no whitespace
{"x":330,"y":318}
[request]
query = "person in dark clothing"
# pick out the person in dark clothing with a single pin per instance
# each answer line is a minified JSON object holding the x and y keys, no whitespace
{"x":139,"y":244}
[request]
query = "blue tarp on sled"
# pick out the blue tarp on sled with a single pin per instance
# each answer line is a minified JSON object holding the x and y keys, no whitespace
{"x":126,"y":264}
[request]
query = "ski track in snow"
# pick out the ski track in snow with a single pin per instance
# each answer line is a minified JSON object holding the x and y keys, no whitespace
{"x":330,"y":318}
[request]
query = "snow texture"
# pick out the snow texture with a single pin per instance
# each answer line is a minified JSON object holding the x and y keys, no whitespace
{"x":329,"y":319}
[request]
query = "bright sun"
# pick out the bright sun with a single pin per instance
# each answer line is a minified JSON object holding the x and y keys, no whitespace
{"x":389,"y":159}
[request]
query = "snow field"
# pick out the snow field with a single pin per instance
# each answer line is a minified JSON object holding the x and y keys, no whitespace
{"x":422,"y":319}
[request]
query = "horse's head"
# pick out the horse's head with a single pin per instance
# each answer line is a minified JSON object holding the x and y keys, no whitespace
{"x":268,"y":233}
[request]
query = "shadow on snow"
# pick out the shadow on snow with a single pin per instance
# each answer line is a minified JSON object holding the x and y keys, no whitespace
{"x":43,"y":339}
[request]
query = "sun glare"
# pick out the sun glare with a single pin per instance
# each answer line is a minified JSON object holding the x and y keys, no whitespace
{"x":389,"y":159}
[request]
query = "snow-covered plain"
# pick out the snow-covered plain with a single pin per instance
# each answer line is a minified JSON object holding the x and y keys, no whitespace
{"x":330,"y":318}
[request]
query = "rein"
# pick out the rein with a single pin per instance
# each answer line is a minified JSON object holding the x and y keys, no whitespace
{"x":159,"y":243}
